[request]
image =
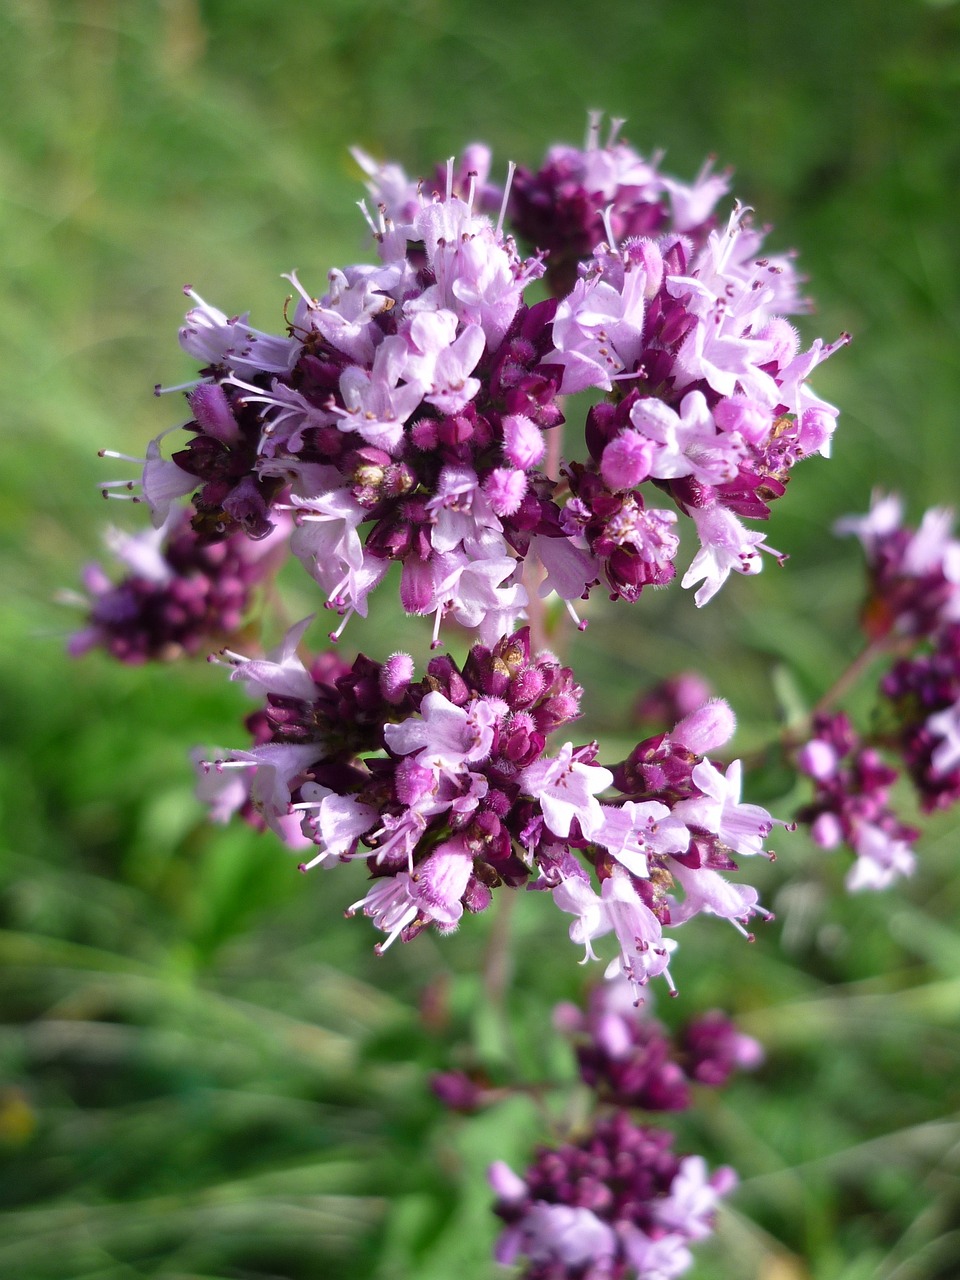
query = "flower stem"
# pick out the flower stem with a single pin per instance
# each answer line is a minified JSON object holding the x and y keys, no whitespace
{"x":498,"y":966}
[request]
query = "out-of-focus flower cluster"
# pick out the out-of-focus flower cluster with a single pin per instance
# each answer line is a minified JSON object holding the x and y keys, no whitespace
{"x":180,"y":593}
{"x":619,"y":1202}
{"x":912,"y":609}
{"x":629,"y":1058}
{"x":852,"y":803}
{"x":444,"y":787}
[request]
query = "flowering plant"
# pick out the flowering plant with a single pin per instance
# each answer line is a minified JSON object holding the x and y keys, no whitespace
{"x":422,"y":411}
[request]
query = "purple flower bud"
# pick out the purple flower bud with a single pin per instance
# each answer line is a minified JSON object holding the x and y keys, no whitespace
{"x":213,"y":412}
{"x":504,"y":489}
{"x":816,"y":430}
{"x":440,"y":880}
{"x":645,"y":255}
{"x":626,"y":461}
{"x":395,"y":677}
{"x":672,"y":699}
{"x":818,"y":759}
{"x":716,"y":1049}
{"x":783,"y":339}
{"x":707,"y":728}
{"x":827,"y":831}
{"x":416,"y":585}
{"x":412,"y":781}
{"x":457,"y":1091}
{"x":749,"y":418}
{"x":522,"y":441}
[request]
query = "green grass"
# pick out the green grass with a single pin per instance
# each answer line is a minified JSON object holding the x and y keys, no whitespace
{"x":204,"y":1072}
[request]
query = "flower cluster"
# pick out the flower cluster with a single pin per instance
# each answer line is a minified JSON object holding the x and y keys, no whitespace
{"x":410,"y":415}
{"x":925,"y":694}
{"x":630,"y":1059}
{"x":912,"y":608}
{"x":181,"y":595}
{"x":580,"y":197}
{"x":913,"y":574}
{"x":407,"y":413}
{"x":851,"y":804}
{"x":444,"y":787}
{"x":618,"y":1203}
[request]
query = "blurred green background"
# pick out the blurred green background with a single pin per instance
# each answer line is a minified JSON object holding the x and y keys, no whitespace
{"x":203,"y":1070}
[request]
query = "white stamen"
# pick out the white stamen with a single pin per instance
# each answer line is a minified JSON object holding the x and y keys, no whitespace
{"x":616,"y":124}
{"x":511,"y":170}
{"x":308,"y":866}
{"x":159,"y":390}
{"x":218,"y":766}
{"x":334,"y":636}
{"x":593,"y":131}
{"x":377,"y":231}
{"x":581,"y":623}
{"x":123,"y":457}
{"x":608,"y":228}
{"x":292,"y":277}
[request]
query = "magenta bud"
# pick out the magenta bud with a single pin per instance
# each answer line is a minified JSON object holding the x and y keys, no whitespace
{"x":674,"y":698}
{"x":505,"y":1183}
{"x":476,"y":897}
{"x":723,"y":1180}
{"x":412,"y":781}
{"x":816,"y":430}
{"x":707,"y":728}
{"x":818,"y":759}
{"x":424,"y":434}
{"x":439,"y":882}
{"x":417,"y":592}
{"x":505,"y":489}
{"x":456,"y":1091}
{"x":527,"y":687}
{"x":567,"y":1018}
{"x":745,"y":416}
{"x":826,"y":831}
{"x":522,"y":441}
{"x":646,"y":255}
{"x":212,"y":410}
{"x":626,"y":460}
{"x":783,"y":338}
{"x":395,"y":677}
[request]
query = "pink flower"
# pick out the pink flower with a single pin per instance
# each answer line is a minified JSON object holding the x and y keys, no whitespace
{"x":644,"y":952}
{"x":741,"y":827}
{"x":445,"y":737}
{"x":688,"y":443}
{"x":440,"y":881}
{"x":725,"y":547}
{"x":566,"y":790}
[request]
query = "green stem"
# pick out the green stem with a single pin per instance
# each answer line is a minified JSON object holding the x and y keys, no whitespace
{"x":498,"y":965}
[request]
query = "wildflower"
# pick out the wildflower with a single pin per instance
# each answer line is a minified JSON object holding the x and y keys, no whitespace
{"x":447,"y":781}
{"x":630,"y":1059}
{"x":180,"y":595}
{"x":923,"y":692}
{"x":618,"y":1202}
{"x":851,"y":804}
{"x":914,"y":574}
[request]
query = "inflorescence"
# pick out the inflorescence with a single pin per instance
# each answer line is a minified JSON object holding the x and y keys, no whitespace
{"x":912,"y":611}
{"x":411,"y":415}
